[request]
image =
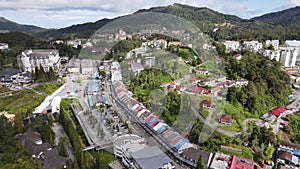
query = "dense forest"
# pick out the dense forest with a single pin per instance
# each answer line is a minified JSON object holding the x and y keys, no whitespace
{"x":293,"y":128}
{"x":268,"y":84}
{"x":12,"y":154}
{"x":119,"y":50}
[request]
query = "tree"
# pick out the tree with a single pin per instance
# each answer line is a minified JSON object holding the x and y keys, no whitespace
{"x":18,"y":123}
{"x":200,"y":164}
{"x":50,"y":119}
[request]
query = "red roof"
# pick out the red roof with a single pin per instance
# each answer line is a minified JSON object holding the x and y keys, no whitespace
{"x":207,"y":103}
{"x":278,"y":111}
{"x":195,"y":88}
{"x":285,"y":123}
{"x":241,"y":163}
{"x":195,"y":78}
{"x":149,"y":119}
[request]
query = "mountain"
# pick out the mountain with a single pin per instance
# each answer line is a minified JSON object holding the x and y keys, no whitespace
{"x":7,"y":25}
{"x":231,"y":27}
{"x":280,"y":25}
{"x":284,"y":18}
{"x":84,"y":30}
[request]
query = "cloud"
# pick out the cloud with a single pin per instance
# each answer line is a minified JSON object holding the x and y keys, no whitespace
{"x":292,"y":3}
{"x":108,"y":6}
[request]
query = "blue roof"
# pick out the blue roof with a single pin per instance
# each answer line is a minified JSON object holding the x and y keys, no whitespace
{"x":90,"y":100}
{"x":181,"y":143}
{"x":104,"y":99}
{"x":161,"y":129}
{"x":295,"y":160}
{"x":296,"y":153}
{"x":152,"y":121}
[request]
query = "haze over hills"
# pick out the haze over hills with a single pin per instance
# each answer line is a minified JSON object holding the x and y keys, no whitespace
{"x":7,"y":25}
{"x":284,"y":18}
{"x":280,"y":25}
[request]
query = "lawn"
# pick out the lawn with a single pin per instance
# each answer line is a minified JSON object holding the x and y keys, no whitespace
{"x":22,"y":101}
{"x":48,"y":88}
{"x":25,"y":101}
{"x":4,"y":89}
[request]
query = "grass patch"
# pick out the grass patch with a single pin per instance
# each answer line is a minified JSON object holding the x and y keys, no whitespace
{"x":235,"y":127}
{"x":22,"y":101}
{"x":4,"y":89}
{"x":204,"y":113}
{"x":48,"y":88}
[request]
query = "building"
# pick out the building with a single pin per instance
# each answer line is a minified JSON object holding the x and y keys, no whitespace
{"x":44,"y":152}
{"x":254,"y":46}
{"x":289,"y":55}
{"x":31,"y":59}
{"x":88,"y":66}
{"x":207,"y":104}
{"x":288,"y":154}
{"x":74,"y":43}
{"x":74,"y":66}
{"x":231,"y":46}
{"x":278,"y":111}
{"x":151,"y":158}
{"x":292,"y":43}
{"x":239,"y":162}
{"x":149,"y":61}
{"x":116,"y":74}
{"x":121,"y":35}
{"x":274,"y":43}
{"x":125,"y":145}
{"x":3,"y":46}
{"x":11,"y":75}
{"x":136,"y":67}
{"x":226,"y":119}
{"x":193,"y":154}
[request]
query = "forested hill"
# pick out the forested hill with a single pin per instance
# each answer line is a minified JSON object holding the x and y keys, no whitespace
{"x":6,"y":25}
{"x":280,"y":25}
{"x":232,"y":27}
{"x":285,"y":18}
{"x":84,"y":30}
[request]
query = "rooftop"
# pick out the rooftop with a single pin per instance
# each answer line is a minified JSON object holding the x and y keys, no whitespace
{"x":194,"y":154}
{"x":277,"y":111}
{"x":127,"y":138}
{"x":293,"y":43}
{"x":9,"y":72}
{"x":151,"y":158}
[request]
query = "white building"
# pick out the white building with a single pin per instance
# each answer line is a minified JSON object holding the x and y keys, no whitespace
{"x":121,"y":35}
{"x":30,"y":59}
{"x":74,"y":43}
{"x":292,"y":43}
{"x":3,"y":46}
{"x":116,"y":74}
{"x":88,"y":66}
{"x":231,"y":46}
{"x":127,"y":144}
{"x":253,"y":45}
{"x":274,"y":43}
{"x":74,"y":66}
{"x":288,"y":56}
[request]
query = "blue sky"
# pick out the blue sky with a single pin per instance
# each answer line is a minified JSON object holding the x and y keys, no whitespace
{"x":62,"y":13}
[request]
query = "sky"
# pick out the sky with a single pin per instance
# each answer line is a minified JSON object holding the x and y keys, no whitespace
{"x":63,"y":13}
